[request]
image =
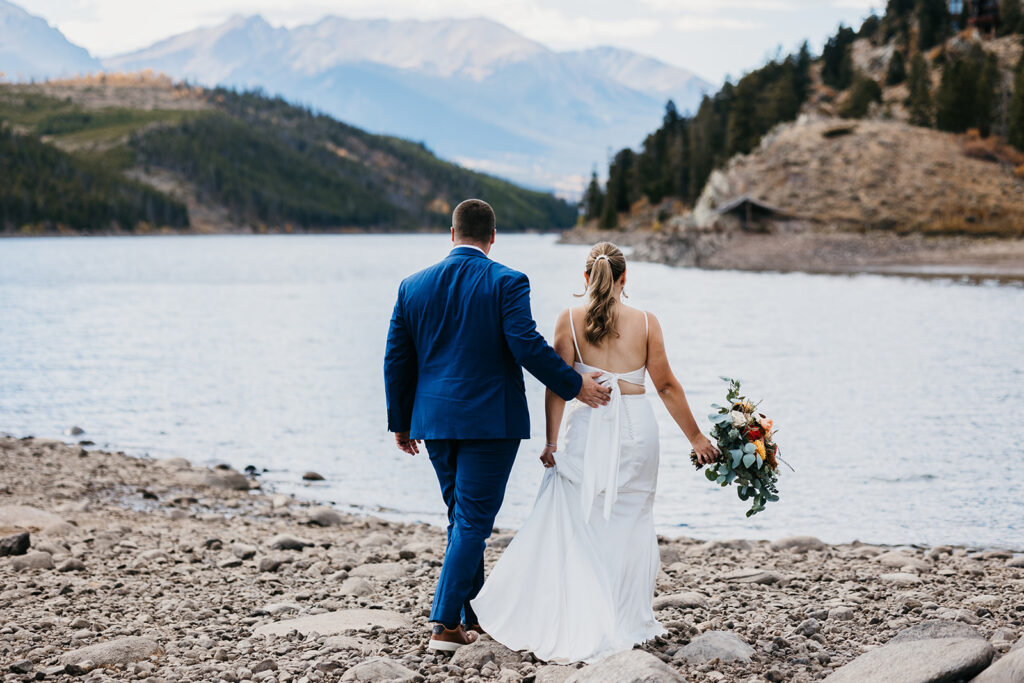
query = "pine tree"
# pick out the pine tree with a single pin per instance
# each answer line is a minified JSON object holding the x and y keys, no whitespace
{"x":863,"y":92}
{"x":837,"y":68}
{"x":1016,"y":122}
{"x":593,"y":198}
{"x":897,"y":71}
{"x":919,"y":101}
{"x":802,"y":74}
{"x":988,"y":95}
{"x":1011,"y":19}
{"x":933,"y":23}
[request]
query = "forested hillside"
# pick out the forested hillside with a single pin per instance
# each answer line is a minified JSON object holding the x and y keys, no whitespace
{"x":915,"y":64}
{"x":139,"y":153}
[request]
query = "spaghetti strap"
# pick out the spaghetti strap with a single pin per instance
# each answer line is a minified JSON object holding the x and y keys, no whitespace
{"x":647,"y":339}
{"x":647,"y":327}
{"x":576,"y":344}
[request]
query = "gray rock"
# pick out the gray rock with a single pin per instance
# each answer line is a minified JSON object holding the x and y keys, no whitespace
{"x":685,"y":600}
{"x":901,"y":579}
{"x":989,"y":601}
{"x":798,"y":544}
{"x":17,"y":544}
{"x":34,"y":560}
{"x":113,"y":652}
{"x":842,"y":613}
{"x":288,"y":542}
{"x":276,"y":608}
{"x":632,"y":666}
{"x":325,"y":516}
{"x":265,"y":665}
{"x":553,"y":673}
{"x":360,"y":645}
{"x":243,"y":551}
{"x":22,"y":666}
{"x":270,"y":564}
{"x":1009,"y":669}
{"x":894,"y":558}
{"x":723,"y":645}
{"x":483,"y":651}
{"x":313,"y":476}
{"x":356,"y":586}
{"x":935,"y":660}
{"x":808,"y":627}
{"x":935,"y":628}
{"x":74,"y":430}
{"x":337,"y":622}
{"x":227,"y":479}
{"x":1016,"y":562}
{"x":749,"y":575}
{"x":72,"y":564}
{"x":382,"y":570}
{"x":380,"y":669}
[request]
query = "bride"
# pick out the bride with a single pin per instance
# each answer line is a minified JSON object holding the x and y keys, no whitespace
{"x":577,"y":581}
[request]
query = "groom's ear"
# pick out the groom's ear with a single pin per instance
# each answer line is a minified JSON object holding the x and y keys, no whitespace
{"x":453,"y":233}
{"x":494,"y":233}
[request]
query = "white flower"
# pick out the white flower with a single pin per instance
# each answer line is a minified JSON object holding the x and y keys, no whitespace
{"x":738,"y":419}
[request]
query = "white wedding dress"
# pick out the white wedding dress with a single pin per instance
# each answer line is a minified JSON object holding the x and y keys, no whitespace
{"x":577,"y":582}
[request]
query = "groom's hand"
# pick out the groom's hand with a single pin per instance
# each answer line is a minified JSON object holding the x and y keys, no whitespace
{"x":406,"y":444}
{"x":592,"y":393}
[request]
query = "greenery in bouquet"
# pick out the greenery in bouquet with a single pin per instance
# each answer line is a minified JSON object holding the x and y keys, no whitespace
{"x":748,"y":455}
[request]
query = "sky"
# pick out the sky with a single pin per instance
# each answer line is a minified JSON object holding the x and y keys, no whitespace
{"x":713,"y":38}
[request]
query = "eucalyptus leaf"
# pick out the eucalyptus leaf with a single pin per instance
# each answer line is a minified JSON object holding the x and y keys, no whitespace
{"x":710,"y":474}
{"x":749,"y":448}
{"x":749,"y":459}
{"x":736,"y":457}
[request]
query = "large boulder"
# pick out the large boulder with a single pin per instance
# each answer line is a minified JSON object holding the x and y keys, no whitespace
{"x":633,"y":666}
{"x":937,"y":660}
{"x":1009,"y":669}
{"x":112,"y":652}
{"x":380,"y":669}
{"x":340,"y":621}
{"x":935,"y":628}
{"x":723,"y":645}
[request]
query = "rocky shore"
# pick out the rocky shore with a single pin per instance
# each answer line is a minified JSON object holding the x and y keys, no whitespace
{"x":118,"y":568}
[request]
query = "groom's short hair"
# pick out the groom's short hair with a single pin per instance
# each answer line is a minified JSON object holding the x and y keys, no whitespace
{"x":473,"y":220}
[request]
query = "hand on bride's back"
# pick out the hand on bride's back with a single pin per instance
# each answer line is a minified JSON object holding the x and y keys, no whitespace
{"x":592,"y":393}
{"x":707,"y":452}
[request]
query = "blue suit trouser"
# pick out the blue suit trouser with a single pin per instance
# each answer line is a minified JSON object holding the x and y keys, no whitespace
{"x":472,"y":474}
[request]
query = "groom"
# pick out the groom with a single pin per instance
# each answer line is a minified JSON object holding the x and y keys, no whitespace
{"x":460,"y":334}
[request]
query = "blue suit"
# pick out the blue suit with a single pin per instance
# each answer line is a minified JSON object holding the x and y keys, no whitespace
{"x":460,"y":334}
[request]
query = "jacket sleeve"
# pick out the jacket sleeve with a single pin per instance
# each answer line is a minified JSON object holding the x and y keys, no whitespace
{"x":400,"y":370}
{"x":528,"y":346}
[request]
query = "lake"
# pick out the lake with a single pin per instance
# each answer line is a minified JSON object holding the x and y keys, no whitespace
{"x":899,"y":400}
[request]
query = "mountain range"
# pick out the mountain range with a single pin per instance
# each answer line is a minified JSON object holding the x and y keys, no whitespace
{"x":472,"y":90}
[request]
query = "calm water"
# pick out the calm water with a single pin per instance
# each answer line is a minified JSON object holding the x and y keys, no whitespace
{"x":899,"y":400}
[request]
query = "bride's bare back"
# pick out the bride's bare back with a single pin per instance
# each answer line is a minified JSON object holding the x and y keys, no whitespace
{"x":624,"y":350}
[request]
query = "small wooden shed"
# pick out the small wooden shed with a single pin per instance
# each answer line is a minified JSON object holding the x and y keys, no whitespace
{"x":748,"y":213}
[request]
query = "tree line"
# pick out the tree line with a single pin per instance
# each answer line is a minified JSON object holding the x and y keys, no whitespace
{"x":46,"y":187}
{"x":677,"y":159}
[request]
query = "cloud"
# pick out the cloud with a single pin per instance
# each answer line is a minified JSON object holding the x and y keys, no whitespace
{"x":697,"y":22}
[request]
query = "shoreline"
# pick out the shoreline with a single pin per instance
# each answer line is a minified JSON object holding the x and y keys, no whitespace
{"x":206,"y":573}
{"x":828,"y":252}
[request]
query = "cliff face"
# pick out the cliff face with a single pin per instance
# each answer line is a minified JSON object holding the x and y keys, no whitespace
{"x":874,"y":174}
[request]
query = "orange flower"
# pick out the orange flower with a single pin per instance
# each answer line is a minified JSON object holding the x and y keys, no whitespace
{"x":759,"y":445}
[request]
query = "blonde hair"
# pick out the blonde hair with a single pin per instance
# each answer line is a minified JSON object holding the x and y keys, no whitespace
{"x":605,"y":265}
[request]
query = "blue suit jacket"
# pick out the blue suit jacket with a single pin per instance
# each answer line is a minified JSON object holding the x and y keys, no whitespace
{"x":460,"y":334}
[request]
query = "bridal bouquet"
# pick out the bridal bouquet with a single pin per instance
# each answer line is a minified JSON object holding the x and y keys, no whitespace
{"x":749,"y":456}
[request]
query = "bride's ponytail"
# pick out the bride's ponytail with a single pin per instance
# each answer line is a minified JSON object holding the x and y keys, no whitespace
{"x":605,"y":265}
